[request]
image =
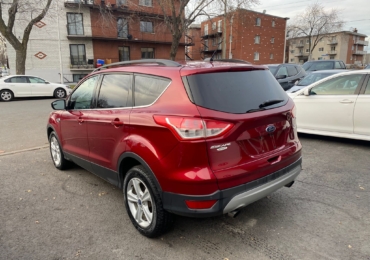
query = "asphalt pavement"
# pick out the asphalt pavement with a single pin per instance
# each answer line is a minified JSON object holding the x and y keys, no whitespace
{"x":50,"y":214}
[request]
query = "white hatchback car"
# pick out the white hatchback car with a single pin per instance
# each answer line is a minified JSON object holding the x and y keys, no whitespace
{"x":30,"y":86}
{"x":337,"y":106}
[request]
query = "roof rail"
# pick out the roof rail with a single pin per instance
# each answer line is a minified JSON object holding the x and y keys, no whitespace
{"x":163,"y":62}
{"x":229,"y":60}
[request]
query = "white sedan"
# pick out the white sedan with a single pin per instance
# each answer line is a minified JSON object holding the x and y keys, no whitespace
{"x":30,"y":86}
{"x":338,"y":106}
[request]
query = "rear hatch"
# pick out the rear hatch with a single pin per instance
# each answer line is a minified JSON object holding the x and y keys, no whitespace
{"x":258,"y":117}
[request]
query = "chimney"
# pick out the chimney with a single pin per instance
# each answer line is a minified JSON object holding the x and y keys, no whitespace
{"x":355,"y":30}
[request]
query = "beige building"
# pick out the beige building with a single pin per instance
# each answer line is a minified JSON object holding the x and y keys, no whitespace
{"x":347,"y":46}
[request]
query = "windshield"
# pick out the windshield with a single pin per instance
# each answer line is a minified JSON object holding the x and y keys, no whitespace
{"x":273,"y":69}
{"x":307,"y":65}
{"x":313,"y":77}
{"x":325,"y":65}
{"x":236,"y":92}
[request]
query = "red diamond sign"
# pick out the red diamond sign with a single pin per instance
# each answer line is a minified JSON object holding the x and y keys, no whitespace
{"x":40,"y":55}
{"x":40,"y":24}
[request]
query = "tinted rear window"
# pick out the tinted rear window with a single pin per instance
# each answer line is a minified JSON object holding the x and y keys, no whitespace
{"x":236,"y":92}
{"x":148,"y":89}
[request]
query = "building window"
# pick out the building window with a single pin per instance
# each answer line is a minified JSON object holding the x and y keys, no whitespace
{"x":78,"y":77}
{"x":219,"y":25}
{"x":301,"y":41}
{"x":124,"y":53}
{"x":214,"y":26}
{"x":321,"y":49}
{"x":121,"y":2}
{"x":307,"y":50}
{"x":292,"y":51}
{"x":206,"y":45}
{"x":332,"y":57}
{"x":291,"y":60}
{"x":145,"y":2}
{"x":257,"y":39}
{"x":308,"y":41}
{"x":147,"y":53}
{"x":271,"y":56}
{"x":122,"y":28}
{"x":256,"y":56}
{"x":75,"y":24}
{"x":273,"y":24}
{"x":146,"y":27}
{"x":258,"y":21}
{"x":319,"y":58}
{"x":206,"y":29}
{"x":78,"y":54}
{"x":272,"y":40}
{"x":353,"y":47}
{"x":332,"y":48}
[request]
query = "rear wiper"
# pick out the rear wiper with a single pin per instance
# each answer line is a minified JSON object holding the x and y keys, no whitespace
{"x":270,"y":102}
{"x":255,"y":110}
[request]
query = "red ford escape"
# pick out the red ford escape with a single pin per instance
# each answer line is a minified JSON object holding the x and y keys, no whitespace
{"x":196,"y":139}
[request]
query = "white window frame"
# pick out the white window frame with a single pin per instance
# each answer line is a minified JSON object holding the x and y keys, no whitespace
{"x":307,"y":50}
{"x":273,"y":23}
{"x":271,"y":56}
{"x":257,"y":39}
{"x":214,"y":26}
{"x":219,"y":25}
{"x":144,"y":27}
{"x":258,"y":21}
{"x":148,"y":3}
{"x":206,"y":29}
{"x":272,"y":39}
{"x":256,"y":56}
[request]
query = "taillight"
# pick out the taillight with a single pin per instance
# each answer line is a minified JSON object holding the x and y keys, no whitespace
{"x":187,"y":128}
{"x":294,"y":111}
{"x":200,"y":204}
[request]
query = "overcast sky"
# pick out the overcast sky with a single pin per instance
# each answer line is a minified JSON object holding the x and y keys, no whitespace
{"x":351,"y":11}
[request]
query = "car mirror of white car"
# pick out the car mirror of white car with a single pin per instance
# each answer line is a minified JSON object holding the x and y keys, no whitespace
{"x":306,"y":92}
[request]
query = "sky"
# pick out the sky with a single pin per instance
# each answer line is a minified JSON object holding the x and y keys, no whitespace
{"x":355,"y":13}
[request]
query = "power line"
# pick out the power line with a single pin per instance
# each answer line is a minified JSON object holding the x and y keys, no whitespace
{"x":287,"y":4}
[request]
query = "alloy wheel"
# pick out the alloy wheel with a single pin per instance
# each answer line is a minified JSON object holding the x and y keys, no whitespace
{"x":6,"y":95}
{"x":55,"y":150}
{"x":140,"y":202}
{"x":60,"y":93}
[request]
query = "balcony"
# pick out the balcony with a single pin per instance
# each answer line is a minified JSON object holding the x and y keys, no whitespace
{"x":332,"y":52}
{"x":301,"y":54}
{"x":74,"y":3}
{"x":300,"y":45}
{"x":81,"y":63}
{"x":365,"y":43}
{"x":212,"y":34}
{"x":211,"y":49}
{"x":359,"y":52}
{"x":332,"y":42}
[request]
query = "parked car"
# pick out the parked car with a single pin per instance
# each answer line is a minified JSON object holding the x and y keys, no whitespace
{"x":4,"y":72}
{"x":194,"y":139}
{"x":30,"y":86}
{"x":312,"y":78}
{"x":287,"y":74}
{"x":315,"y":65}
{"x":338,"y":106}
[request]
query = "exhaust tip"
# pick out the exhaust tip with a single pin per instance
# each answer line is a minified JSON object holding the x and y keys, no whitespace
{"x":290,"y":184}
{"x":234,"y":213}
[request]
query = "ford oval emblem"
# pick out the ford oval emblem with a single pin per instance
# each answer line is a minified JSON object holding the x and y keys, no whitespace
{"x":270,"y":129}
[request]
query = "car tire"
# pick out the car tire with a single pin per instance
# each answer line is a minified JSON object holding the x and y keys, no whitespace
{"x":60,"y":93}
{"x":144,"y":204}
{"x":56,"y":152}
{"x":6,"y":95}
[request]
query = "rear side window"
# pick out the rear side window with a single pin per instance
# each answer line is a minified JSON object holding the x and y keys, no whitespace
{"x":292,"y":71}
{"x":115,"y":91}
{"x":236,"y":92}
{"x":337,"y":65}
{"x":17,"y":80}
{"x":148,"y":89}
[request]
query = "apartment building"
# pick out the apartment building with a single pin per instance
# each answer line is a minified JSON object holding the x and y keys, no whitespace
{"x":252,"y":36}
{"x":347,"y":46}
{"x":193,"y":39}
{"x":71,"y":41}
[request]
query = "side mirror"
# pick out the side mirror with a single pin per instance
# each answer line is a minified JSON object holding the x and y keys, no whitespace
{"x":46,"y":82}
{"x":306,"y":92}
{"x":281,"y":77}
{"x":59,"y":104}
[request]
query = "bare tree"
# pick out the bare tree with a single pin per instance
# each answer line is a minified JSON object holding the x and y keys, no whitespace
{"x":314,"y":24}
{"x":28,"y":12}
{"x":228,"y":9}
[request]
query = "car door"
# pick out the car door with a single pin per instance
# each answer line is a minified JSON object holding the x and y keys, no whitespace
{"x":19,"y":85}
{"x":282,"y":72}
{"x":108,"y":124}
{"x":40,"y":87}
{"x":72,"y":123}
{"x":292,"y":75}
{"x":330,"y":105}
{"x":361,"y":114}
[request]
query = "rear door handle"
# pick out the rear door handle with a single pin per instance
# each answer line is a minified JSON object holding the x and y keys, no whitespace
{"x":116,"y":122}
{"x":346,"y":101}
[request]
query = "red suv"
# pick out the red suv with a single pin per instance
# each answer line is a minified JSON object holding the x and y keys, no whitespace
{"x":196,"y":139}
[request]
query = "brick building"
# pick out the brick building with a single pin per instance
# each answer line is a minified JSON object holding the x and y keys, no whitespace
{"x":193,"y":50}
{"x":71,"y":41}
{"x":252,"y":36}
{"x":347,"y":46}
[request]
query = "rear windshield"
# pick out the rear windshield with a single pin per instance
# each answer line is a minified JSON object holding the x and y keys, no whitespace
{"x":236,"y":92}
{"x":313,"y":66}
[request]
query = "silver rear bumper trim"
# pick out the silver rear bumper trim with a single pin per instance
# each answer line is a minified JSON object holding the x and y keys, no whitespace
{"x":250,"y":196}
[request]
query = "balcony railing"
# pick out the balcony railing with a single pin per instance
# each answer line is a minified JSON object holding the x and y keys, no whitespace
{"x":333,"y":42}
{"x":300,"y":45}
{"x":332,"y":52}
{"x":301,"y":54}
{"x":359,"y":52}
{"x":366,"y":43}
{"x":79,"y":2}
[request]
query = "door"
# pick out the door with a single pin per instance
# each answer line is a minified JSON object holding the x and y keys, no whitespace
{"x":107,"y":124}
{"x":361,"y":115}
{"x":73,"y":126}
{"x":283,"y":71}
{"x":330,"y":105}
{"x":20,"y":86}
{"x":40,"y":87}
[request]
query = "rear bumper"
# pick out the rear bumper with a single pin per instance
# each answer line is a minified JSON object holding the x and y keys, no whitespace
{"x":236,"y":197}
